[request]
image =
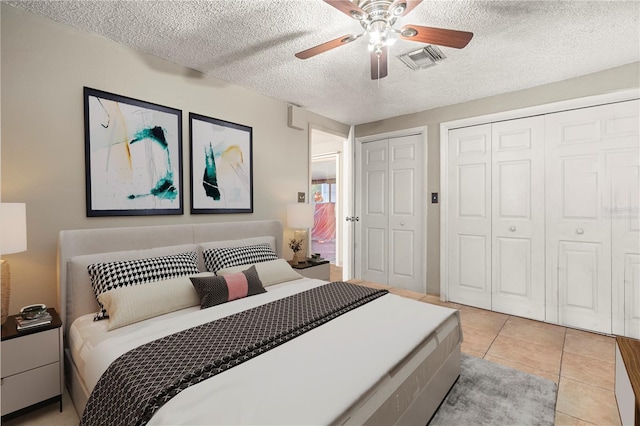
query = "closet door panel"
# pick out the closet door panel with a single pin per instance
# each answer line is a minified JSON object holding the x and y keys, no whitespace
{"x":582,"y":297}
{"x":405,"y":231}
{"x":578,"y":144}
{"x":624,"y":212}
{"x":632,"y":296}
{"x":375,"y":182}
{"x":517,"y":188}
{"x":469,"y":216}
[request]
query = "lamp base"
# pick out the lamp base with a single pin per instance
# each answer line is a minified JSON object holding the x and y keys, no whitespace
{"x":301,"y":234}
{"x":6,"y":289}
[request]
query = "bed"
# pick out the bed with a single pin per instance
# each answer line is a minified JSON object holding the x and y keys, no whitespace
{"x":389,"y":361}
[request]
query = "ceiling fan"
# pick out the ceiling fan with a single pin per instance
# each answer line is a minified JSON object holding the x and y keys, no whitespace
{"x":377,"y":17}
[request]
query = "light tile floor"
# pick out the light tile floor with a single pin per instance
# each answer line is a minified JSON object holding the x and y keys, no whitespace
{"x":582,"y":363}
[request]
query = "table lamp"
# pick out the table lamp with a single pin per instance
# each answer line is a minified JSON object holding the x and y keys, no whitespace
{"x":300,"y":217}
{"x":13,"y":239}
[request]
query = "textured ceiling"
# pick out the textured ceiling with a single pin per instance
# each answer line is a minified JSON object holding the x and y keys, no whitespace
{"x":516,"y":45}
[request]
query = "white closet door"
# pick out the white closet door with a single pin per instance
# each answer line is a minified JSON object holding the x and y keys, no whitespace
{"x":517,"y":193}
{"x":624,"y":213}
{"x":405,"y":214}
{"x":391,"y":225}
{"x":625,"y":242}
{"x":374,"y":256}
{"x":581,"y":145}
{"x":469,"y":216}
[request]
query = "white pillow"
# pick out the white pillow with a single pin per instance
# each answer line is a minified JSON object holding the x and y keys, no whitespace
{"x":127,"y":305}
{"x":270,"y":272}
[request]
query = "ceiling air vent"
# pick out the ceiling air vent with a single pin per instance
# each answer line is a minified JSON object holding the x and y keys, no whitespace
{"x":426,"y":57}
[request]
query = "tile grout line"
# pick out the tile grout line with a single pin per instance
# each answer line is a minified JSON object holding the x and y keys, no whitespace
{"x":496,"y":336}
{"x":564,"y":341}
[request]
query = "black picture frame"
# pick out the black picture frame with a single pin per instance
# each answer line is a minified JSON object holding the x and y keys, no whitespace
{"x":221,"y":157}
{"x":133,"y":156}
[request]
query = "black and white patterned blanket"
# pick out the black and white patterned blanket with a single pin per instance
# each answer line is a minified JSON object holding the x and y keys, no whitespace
{"x":142,"y":380}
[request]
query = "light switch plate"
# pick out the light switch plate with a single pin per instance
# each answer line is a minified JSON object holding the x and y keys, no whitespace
{"x":301,"y":197}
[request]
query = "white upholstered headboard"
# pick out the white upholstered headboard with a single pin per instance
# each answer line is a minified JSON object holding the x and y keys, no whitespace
{"x":91,"y":241}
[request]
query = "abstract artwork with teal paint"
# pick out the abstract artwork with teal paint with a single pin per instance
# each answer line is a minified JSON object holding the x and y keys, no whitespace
{"x":164,"y":187}
{"x":221,"y":166}
{"x":210,"y":179}
{"x":134,"y":154}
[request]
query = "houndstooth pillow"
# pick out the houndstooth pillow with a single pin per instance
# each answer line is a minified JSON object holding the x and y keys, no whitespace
{"x":224,"y":257}
{"x":110,"y":275}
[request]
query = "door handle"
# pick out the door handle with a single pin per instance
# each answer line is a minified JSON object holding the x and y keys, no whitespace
{"x":512,"y":229}
{"x":401,"y":223}
{"x":579,"y":231}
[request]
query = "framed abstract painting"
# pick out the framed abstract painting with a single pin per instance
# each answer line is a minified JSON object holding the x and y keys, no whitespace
{"x":133,"y":156}
{"x":221,"y":166}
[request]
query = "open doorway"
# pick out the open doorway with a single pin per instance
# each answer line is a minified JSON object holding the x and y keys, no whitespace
{"x":326,"y":198}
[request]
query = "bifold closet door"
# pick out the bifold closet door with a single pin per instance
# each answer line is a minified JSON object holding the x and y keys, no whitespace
{"x":469,"y":216}
{"x":375,"y":211}
{"x":624,"y":212}
{"x":625,"y":241}
{"x":517,"y":229}
{"x":391,"y":222}
{"x":583,"y":153}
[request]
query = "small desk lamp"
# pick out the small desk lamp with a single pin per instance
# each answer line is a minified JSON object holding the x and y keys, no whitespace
{"x":13,"y":239}
{"x":300,"y":217}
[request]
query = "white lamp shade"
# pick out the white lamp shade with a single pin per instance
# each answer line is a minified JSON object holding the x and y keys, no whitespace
{"x":300,"y":216}
{"x":13,"y":228}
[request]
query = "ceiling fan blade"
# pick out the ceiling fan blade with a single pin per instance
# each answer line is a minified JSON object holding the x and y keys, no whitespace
{"x":439,"y":36}
{"x":409,"y":5}
{"x":379,"y":65}
{"x":348,"y":8}
{"x":321,"y":48}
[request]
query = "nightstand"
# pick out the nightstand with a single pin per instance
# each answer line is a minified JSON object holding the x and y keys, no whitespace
{"x":319,"y":270}
{"x":31,"y":366}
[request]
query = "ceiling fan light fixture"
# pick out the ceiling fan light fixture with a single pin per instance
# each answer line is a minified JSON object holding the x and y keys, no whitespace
{"x":357,"y":15}
{"x":399,"y":9}
{"x":409,"y":32}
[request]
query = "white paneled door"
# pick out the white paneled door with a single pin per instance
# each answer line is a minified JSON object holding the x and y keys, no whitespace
{"x":374,"y":255}
{"x":391,"y":212}
{"x":589,"y":256}
{"x":469,"y":217}
{"x":625,"y":241}
{"x":542,"y":216}
{"x":496,"y":216}
{"x":624,"y":212}
{"x":517,"y":226}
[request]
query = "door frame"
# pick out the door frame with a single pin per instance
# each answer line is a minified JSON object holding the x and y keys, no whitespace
{"x":577,"y":103}
{"x":421,"y":131}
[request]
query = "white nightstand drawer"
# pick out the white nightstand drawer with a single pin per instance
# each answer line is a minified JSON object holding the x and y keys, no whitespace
{"x":30,"y":351}
{"x":28,"y":388}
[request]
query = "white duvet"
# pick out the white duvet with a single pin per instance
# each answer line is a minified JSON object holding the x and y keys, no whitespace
{"x":311,"y":380}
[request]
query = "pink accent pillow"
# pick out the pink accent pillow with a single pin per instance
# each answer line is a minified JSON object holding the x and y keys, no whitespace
{"x":237,"y":285}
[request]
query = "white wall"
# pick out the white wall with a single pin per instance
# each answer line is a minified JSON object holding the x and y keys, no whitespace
{"x":44,"y":68}
{"x":615,"y":79}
